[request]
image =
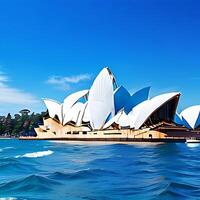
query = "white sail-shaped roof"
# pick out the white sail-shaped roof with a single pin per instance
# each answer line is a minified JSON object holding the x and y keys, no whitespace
{"x":191,"y":117}
{"x":150,"y":106}
{"x":54,"y":108}
{"x":70,"y":101}
{"x":101,"y":99}
{"x":73,"y":113}
{"x":103,"y":103}
{"x":133,"y":115}
{"x":121,"y":118}
{"x":76,"y":111}
{"x":64,"y":111}
{"x":81,"y":114}
{"x":86,"y":115}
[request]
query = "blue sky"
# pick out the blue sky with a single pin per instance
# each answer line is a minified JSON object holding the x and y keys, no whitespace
{"x":52,"y":48}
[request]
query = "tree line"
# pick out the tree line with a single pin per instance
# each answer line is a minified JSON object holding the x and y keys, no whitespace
{"x":22,"y":124}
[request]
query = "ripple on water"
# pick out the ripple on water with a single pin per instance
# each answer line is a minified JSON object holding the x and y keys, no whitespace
{"x":32,"y":183}
{"x":180,"y":191}
{"x":81,"y":174}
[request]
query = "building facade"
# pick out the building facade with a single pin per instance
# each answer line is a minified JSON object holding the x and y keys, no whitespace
{"x":107,"y":111}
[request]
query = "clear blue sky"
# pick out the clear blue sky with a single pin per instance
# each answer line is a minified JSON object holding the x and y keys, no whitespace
{"x":52,"y":48}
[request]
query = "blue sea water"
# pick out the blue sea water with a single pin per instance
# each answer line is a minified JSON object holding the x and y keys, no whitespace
{"x":43,"y":170}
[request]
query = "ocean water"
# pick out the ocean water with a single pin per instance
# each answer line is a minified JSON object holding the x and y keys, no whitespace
{"x":42,"y":170}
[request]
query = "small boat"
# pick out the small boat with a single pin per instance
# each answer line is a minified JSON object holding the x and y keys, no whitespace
{"x":192,"y":140}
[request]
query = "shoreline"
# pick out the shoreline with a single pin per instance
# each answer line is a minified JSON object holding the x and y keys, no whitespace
{"x":124,"y":140}
{"x":7,"y":137}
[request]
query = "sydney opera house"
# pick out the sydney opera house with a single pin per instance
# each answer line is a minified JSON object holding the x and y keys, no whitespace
{"x":108,"y":112}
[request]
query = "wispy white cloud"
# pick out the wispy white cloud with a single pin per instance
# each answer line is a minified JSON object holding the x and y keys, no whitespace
{"x":64,"y":83}
{"x":11,"y":97}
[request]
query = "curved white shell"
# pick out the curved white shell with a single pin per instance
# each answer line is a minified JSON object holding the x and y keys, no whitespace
{"x":73,"y":113}
{"x":101,"y":99}
{"x":86,"y":115}
{"x":121,"y":118}
{"x":54,"y":108}
{"x":133,"y":115}
{"x":71,"y":100}
{"x":191,"y":116}
{"x":150,"y":106}
{"x":81,"y":114}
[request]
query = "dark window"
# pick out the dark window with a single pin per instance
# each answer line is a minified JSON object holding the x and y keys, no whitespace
{"x":84,"y":132}
{"x":112,"y":133}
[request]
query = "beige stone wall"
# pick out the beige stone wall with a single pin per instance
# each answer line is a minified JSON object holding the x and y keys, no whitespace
{"x":52,"y":129}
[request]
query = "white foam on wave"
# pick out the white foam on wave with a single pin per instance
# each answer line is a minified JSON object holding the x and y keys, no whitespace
{"x":5,"y":148}
{"x":8,"y":148}
{"x":38,"y":154}
{"x":193,"y":145}
{"x":8,"y":198}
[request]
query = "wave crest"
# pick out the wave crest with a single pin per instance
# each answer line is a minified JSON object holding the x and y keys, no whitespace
{"x":5,"y":148}
{"x":32,"y":183}
{"x":38,"y":154}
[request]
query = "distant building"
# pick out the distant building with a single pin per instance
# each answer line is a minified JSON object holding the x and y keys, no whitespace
{"x":24,"y":112}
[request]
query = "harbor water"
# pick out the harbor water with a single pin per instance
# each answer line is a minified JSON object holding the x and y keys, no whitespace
{"x":44,"y":170}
